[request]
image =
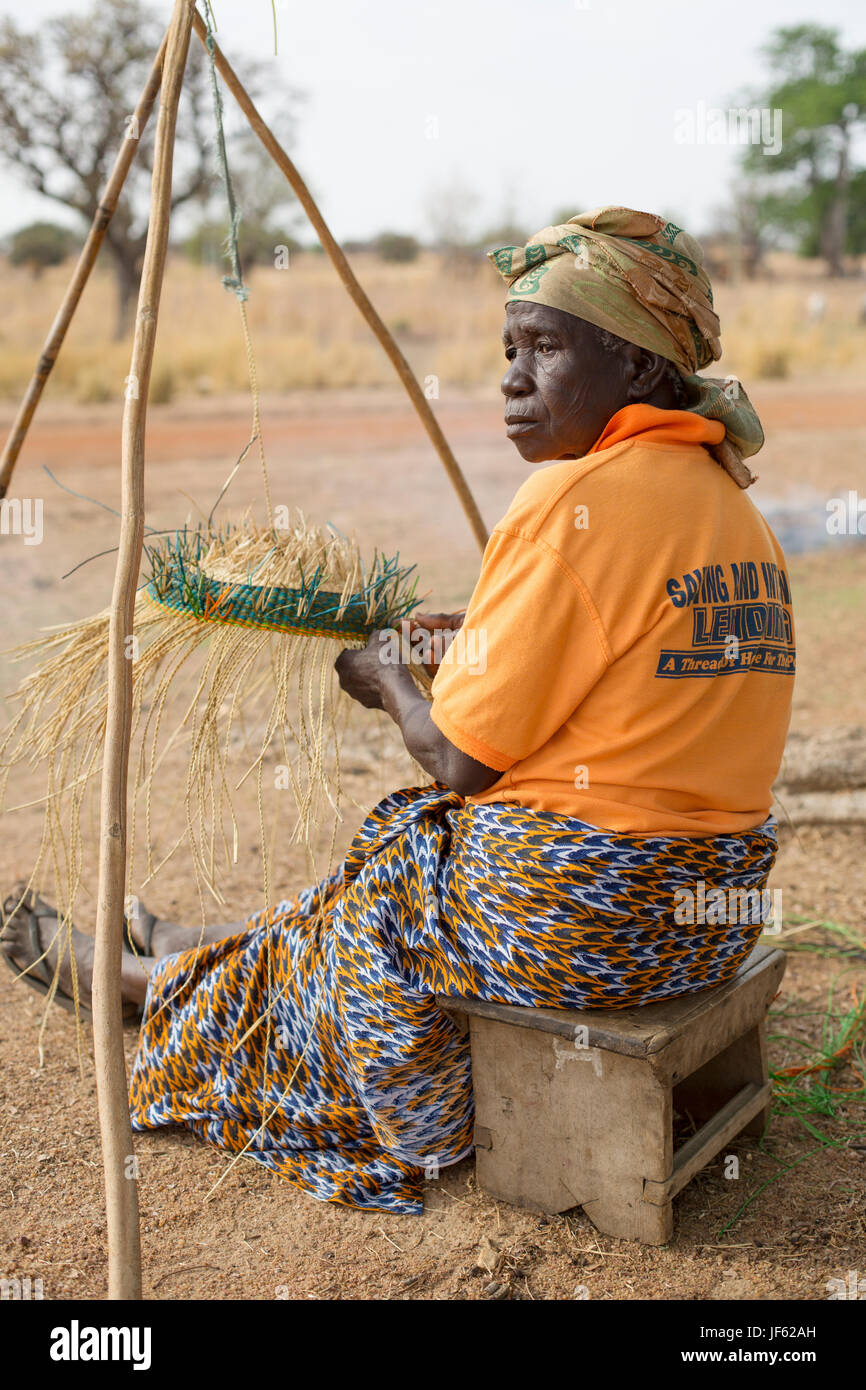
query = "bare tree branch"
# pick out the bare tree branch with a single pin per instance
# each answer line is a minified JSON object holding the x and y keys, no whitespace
{"x":66,"y":94}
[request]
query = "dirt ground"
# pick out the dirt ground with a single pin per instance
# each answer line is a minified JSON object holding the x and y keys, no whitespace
{"x":359,"y":460}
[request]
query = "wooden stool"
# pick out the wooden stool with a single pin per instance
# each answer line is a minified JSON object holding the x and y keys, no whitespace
{"x":575,"y":1107}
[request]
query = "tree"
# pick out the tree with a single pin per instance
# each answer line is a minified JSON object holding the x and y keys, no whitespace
{"x":857,"y":214}
{"x":66,"y":98}
{"x":508,"y":232}
{"x":450,"y":210}
{"x":398,"y":247}
{"x":737,"y":233}
{"x":806,"y":189}
{"x":41,"y":244}
{"x":257,"y":241}
{"x":506,"y":229}
{"x":270,"y":211}
{"x":564,"y":214}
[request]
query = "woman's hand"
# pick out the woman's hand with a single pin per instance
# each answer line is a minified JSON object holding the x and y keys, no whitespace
{"x":432,"y":623}
{"x":361,"y":673}
{"x":375,"y":680}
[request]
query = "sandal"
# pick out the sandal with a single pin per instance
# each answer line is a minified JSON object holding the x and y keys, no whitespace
{"x":39,"y":975}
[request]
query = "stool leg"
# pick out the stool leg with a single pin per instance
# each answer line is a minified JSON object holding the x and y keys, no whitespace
{"x":755,"y":1067}
{"x":710,"y":1087}
{"x":560,"y":1126}
{"x":625,"y":1214}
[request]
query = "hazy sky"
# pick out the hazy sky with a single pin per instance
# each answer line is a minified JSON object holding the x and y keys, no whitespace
{"x":529,"y":105}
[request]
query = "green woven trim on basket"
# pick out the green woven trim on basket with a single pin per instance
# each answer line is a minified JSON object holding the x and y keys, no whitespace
{"x":177,"y":582}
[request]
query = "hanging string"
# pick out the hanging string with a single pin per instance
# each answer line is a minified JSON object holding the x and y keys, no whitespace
{"x":235,"y":281}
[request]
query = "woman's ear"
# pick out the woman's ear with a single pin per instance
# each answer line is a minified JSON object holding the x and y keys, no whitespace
{"x":646,"y":371}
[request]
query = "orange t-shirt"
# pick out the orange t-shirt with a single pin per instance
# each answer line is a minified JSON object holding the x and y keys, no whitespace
{"x":628,"y":652}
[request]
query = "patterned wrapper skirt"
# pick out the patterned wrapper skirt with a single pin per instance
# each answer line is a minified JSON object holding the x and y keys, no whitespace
{"x":312,"y":1040}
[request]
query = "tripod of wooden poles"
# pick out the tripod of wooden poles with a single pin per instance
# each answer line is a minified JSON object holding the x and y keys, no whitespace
{"x":166,"y":78}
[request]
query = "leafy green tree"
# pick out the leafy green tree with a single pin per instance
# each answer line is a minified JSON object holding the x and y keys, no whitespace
{"x":257,"y":243}
{"x":397,"y":247}
{"x":41,"y":244}
{"x":811,"y":191}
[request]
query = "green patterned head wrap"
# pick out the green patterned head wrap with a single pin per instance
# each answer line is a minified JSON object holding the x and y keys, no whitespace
{"x":642,"y":278}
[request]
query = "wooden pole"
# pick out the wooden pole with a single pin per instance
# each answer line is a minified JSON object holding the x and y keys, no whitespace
{"x":346,"y":274}
{"x":124,"y":1254}
{"x":86,"y":261}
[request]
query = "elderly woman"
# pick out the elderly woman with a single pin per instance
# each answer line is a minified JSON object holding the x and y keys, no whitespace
{"x":604,"y":732}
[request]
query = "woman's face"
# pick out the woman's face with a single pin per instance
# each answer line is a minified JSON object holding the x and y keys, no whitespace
{"x":561,"y":387}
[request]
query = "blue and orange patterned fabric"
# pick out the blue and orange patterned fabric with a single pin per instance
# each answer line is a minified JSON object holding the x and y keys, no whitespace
{"x":313,"y":1036}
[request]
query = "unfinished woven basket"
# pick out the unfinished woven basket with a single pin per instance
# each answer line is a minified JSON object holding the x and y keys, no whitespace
{"x":245,"y":624}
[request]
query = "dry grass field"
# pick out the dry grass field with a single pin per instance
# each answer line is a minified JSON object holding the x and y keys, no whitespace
{"x":446,"y":316}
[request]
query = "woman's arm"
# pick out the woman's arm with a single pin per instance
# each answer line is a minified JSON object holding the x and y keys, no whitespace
{"x":389,"y":686}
